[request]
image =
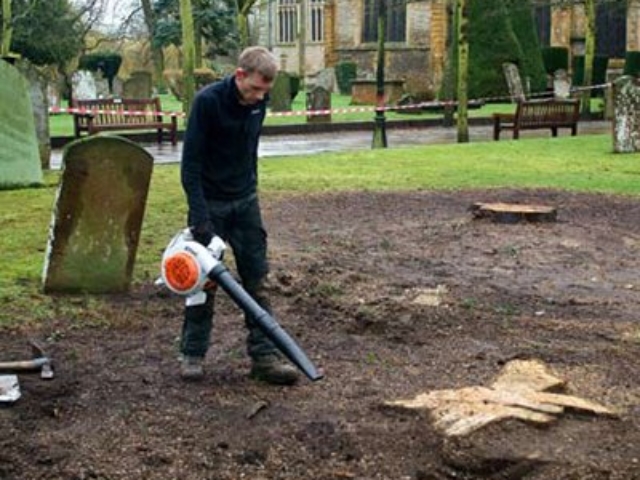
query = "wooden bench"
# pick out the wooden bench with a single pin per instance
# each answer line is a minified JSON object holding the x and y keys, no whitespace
{"x":107,"y":114}
{"x":545,"y":113}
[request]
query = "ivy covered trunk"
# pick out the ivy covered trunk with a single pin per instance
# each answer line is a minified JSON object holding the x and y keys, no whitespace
{"x":462,"y":23}
{"x":626,"y":124}
{"x":589,"y":54}
{"x":189,"y":55}
{"x":5,"y":47}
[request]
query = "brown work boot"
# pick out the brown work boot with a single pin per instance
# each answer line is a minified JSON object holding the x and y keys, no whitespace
{"x":191,"y":368}
{"x":273,"y":369}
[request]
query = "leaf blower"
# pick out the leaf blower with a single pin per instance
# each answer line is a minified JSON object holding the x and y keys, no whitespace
{"x":187,"y":268}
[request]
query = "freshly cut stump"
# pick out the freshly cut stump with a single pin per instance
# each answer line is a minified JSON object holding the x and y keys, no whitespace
{"x":513,"y":212}
{"x":521,"y":391}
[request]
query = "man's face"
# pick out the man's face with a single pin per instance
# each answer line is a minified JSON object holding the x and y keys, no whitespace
{"x":251,"y":86}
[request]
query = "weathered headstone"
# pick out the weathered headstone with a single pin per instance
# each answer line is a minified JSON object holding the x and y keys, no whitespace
{"x":280,"y":97}
{"x":118,"y":87}
{"x":19,"y":156}
{"x":514,"y":81}
{"x":102,"y":85}
{"x":561,"y":84}
{"x":319,"y":98}
{"x":325,"y":78}
{"x":83,"y":85}
{"x":53,"y":95}
{"x":98,"y":216}
{"x":626,"y":121}
{"x":40,"y":107}
{"x":138,"y":85}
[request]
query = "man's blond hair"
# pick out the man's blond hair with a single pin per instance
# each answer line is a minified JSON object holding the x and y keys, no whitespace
{"x":258,"y":59}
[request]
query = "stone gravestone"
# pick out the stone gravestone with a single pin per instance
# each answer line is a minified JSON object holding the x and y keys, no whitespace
{"x":53,"y":96}
{"x":138,"y":85}
{"x":102,"y":85}
{"x":626,"y":117}
{"x":40,"y":107}
{"x":98,"y":215}
{"x":514,"y":81}
{"x":83,"y":85}
{"x":280,"y":96}
{"x":561,"y":84}
{"x":319,"y":98}
{"x":118,"y":87}
{"x":325,"y":78}
{"x":19,"y":155}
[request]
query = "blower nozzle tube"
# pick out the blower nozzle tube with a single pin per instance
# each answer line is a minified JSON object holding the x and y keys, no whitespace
{"x":269,"y":326}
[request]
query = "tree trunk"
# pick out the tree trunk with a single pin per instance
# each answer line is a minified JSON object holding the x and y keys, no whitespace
{"x":462,"y":24}
{"x":157,"y":55}
{"x":379,"y":129}
{"x":197,"y":48}
{"x":189,"y":52}
{"x":589,"y":54}
{"x":7,"y":29}
{"x":243,"y":30}
{"x":302,"y":40}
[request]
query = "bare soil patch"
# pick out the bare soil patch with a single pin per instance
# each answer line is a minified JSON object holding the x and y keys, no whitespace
{"x":349,"y":275}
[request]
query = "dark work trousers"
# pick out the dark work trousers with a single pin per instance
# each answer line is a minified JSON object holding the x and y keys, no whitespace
{"x":239,"y":223}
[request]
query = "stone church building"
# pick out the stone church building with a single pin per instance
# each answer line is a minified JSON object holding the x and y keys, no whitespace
{"x":418,"y":34}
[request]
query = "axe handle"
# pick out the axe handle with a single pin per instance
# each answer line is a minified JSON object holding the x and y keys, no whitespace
{"x":24,"y":365}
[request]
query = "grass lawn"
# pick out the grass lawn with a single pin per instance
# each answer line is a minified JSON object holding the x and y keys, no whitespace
{"x":583,"y":164}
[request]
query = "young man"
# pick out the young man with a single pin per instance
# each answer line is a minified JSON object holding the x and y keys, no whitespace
{"x":219,"y":177}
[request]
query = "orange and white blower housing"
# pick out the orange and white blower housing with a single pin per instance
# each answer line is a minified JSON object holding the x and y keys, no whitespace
{"x":186,"y":265}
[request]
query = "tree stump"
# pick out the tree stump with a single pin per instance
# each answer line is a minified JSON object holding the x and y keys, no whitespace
{"x":513,"y":213}
{"x":521,"y":391}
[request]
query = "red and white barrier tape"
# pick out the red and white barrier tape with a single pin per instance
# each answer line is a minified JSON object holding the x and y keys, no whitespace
{"x":335,"y":111}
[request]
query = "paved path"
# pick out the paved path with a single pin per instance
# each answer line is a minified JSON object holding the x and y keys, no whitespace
{"x":300,"y":144}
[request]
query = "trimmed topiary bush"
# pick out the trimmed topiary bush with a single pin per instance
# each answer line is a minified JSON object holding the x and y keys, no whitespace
{"x":632,"y":64}
{"x":555,"y":58}
{"x":295,"y":85}
{"x":492,"y":42}
{"x":107,"y":62}
{"x":345,"y":73}
{"x":521,"y":17}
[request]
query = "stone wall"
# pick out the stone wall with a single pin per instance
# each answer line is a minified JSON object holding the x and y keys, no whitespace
{"x":633,"y":26}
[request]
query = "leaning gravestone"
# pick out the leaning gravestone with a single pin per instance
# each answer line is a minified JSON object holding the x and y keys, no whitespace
{"x":98,"y":216}
{"x":19,"y":155}
{"x":83,"y":85}
{"x":319,"y":98}
{"x":514,"y":81}
{"x":626,"y":121}
{"x":138,"y":85}
{"x":280,"y":96}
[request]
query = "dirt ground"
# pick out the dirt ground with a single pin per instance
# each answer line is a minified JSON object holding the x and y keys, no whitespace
{"x":347,"y":271}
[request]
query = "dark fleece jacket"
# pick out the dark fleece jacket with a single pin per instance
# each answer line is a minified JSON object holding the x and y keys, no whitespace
{"x":220,"y":153}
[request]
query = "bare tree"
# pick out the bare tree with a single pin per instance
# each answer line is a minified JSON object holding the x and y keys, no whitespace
{"x":157,"y":54}
{"x":189,"y":51}
{"x":462,"y":32}
{"x":244,"y":8}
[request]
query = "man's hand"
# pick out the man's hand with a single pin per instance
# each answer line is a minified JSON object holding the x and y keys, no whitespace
{"x":203,"y":232}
